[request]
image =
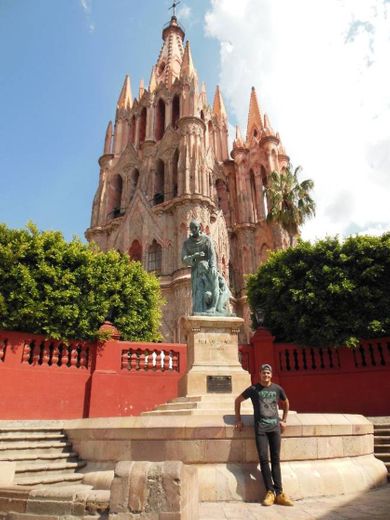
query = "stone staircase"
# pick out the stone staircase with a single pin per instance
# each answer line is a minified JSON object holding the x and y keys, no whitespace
{"x":382,"y":444}
{"x":47,"y":479}
{"x":210,"y":404}
{"x":43,"y":456}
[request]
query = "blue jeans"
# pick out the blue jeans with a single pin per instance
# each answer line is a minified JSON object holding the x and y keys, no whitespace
{"x":272,"y":477}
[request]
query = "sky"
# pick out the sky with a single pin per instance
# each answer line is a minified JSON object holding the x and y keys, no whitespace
{"x":320,"y":69}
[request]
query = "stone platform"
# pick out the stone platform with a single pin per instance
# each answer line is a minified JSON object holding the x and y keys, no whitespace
{"x":322,"y":454}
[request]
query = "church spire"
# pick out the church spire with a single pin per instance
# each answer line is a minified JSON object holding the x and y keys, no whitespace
{"x":254,"y":116}
{"x":141,"y":89}
{"x":187,"y":65}
{"x":153,"y":80}
{"x":125,"y":98}
{"x":218,"y":105}
{"x":108,"y":139}
{"x":171,"y":55}
{"x":238,"y":142}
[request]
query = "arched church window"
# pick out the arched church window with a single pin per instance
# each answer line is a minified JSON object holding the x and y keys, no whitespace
{"x":133,"y":183}
{"x":175,"y":172}
{"x":160,"y":120}
{"x":175,"y":110}
{"x":265,"y":183}
{"x":253,"y":194}
{"x":159,"y":179}
{"x":116,"y":196}
{"x":142,"y":126}
{"x":132,"y":129}
{"x":202,"y":115}
{"x":135,"y":251}
{"x":154,"y":257}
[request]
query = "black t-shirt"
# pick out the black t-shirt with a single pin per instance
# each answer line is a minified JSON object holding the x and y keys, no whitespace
{"x":265,"y":401}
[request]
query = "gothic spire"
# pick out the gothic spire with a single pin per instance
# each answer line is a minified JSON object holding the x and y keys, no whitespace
{"x":238,"y":142}
{"x":218,"y":105}
{"x":254,"y":116}
{"x":187,"y":66}
{"x":170,"y":58}
{"x":141,"y":89}
{"x":108,"y":139}
{"x":125,"y":98}
{"x":203,"y":96}
{"x":153,"y":80}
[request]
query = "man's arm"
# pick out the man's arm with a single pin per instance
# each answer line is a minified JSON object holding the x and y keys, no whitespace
{"x":285,"y":405}
{"x":237,"y":409}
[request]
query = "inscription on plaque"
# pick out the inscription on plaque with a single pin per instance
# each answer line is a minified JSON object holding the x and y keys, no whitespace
{"x":219,"y":384}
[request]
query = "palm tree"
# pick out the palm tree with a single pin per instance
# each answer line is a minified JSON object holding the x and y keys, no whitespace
{"x":289,"y":201}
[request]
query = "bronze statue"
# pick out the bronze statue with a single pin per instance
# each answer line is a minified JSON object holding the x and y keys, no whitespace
{"x":210,"y":294}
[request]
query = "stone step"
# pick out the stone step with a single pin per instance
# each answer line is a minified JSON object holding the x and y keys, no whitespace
{"x":382,"y":431}
{"x":204,"y":398}
{"x":23,"y":456}
{"x":27,"y":470}
{"x":52,"y":478}
{"x":25,"y":445}
{"x":212,"y":405}
{"x":195,"y":411}
{"x":31,"y":436}
{"x":378,"y":440}
{"x":385,"y":457}
{"x":381,"y":448}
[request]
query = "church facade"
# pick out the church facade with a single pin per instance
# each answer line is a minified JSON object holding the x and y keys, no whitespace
{"x":166,"y":162}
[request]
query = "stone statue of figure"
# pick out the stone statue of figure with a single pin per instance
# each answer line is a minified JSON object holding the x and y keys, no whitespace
{"x":210,"y":294}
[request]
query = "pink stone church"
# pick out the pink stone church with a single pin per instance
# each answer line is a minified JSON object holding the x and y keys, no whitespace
{"x":167,"y":161}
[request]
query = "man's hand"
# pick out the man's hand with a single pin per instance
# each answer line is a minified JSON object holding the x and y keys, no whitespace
{"x":283,"y":425}
{"x":238,"y":426}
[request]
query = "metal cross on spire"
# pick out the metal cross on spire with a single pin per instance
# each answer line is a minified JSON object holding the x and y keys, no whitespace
{"x":173,"y":7}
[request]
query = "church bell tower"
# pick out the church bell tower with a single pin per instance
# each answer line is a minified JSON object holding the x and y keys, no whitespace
{"x":166,"y":162}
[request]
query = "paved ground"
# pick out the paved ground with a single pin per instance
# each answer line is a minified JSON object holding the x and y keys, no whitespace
{"x":373,"y":505}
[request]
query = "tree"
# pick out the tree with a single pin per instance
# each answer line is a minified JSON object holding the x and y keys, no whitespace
{"x":289,"y":201}
{"x":331,"y":293}
{"x":66,"y":290}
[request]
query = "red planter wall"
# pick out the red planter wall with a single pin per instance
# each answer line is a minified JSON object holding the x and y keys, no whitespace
{"x":46,"y":379}
{"x":326,"y":380}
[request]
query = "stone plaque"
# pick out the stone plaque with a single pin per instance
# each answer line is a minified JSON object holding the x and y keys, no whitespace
{"x":219,"y":384}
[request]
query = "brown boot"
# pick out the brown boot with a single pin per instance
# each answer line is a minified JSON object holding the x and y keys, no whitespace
{"x":283,"y":500}
{"x":269,"y":499}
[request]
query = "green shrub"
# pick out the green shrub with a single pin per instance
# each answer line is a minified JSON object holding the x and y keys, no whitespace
{"x":331,"y":293}
{"x":66,"y":290}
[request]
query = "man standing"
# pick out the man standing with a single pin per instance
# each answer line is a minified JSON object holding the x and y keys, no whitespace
{"x":265,"y":397}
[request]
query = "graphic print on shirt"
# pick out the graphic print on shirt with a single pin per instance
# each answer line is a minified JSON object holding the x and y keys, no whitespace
{"x":268,"y":404}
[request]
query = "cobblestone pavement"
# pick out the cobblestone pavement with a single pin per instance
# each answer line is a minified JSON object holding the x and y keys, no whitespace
{"x":372,"y":505}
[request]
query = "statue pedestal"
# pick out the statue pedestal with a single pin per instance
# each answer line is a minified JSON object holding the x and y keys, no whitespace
{"x":212,"y":358}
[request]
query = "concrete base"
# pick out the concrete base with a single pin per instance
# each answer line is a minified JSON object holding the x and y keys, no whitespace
{"x":322,"y":454}
{"x":213,"y":351}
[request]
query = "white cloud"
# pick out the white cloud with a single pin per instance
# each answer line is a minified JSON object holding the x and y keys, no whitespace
{"x":184,"y":12}
{"x":87,"y":8}
{"x":321,"y":73}
{"x":86,"y":5}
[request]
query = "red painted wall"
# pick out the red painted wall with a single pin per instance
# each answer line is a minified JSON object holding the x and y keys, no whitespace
{"x":125,"y":382}
{"x":326,"y":380}
{"x":45,"y":379}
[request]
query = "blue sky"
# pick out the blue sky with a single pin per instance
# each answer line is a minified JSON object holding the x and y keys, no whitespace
{"x":63,"y":63}
{"x":320,"y":70}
